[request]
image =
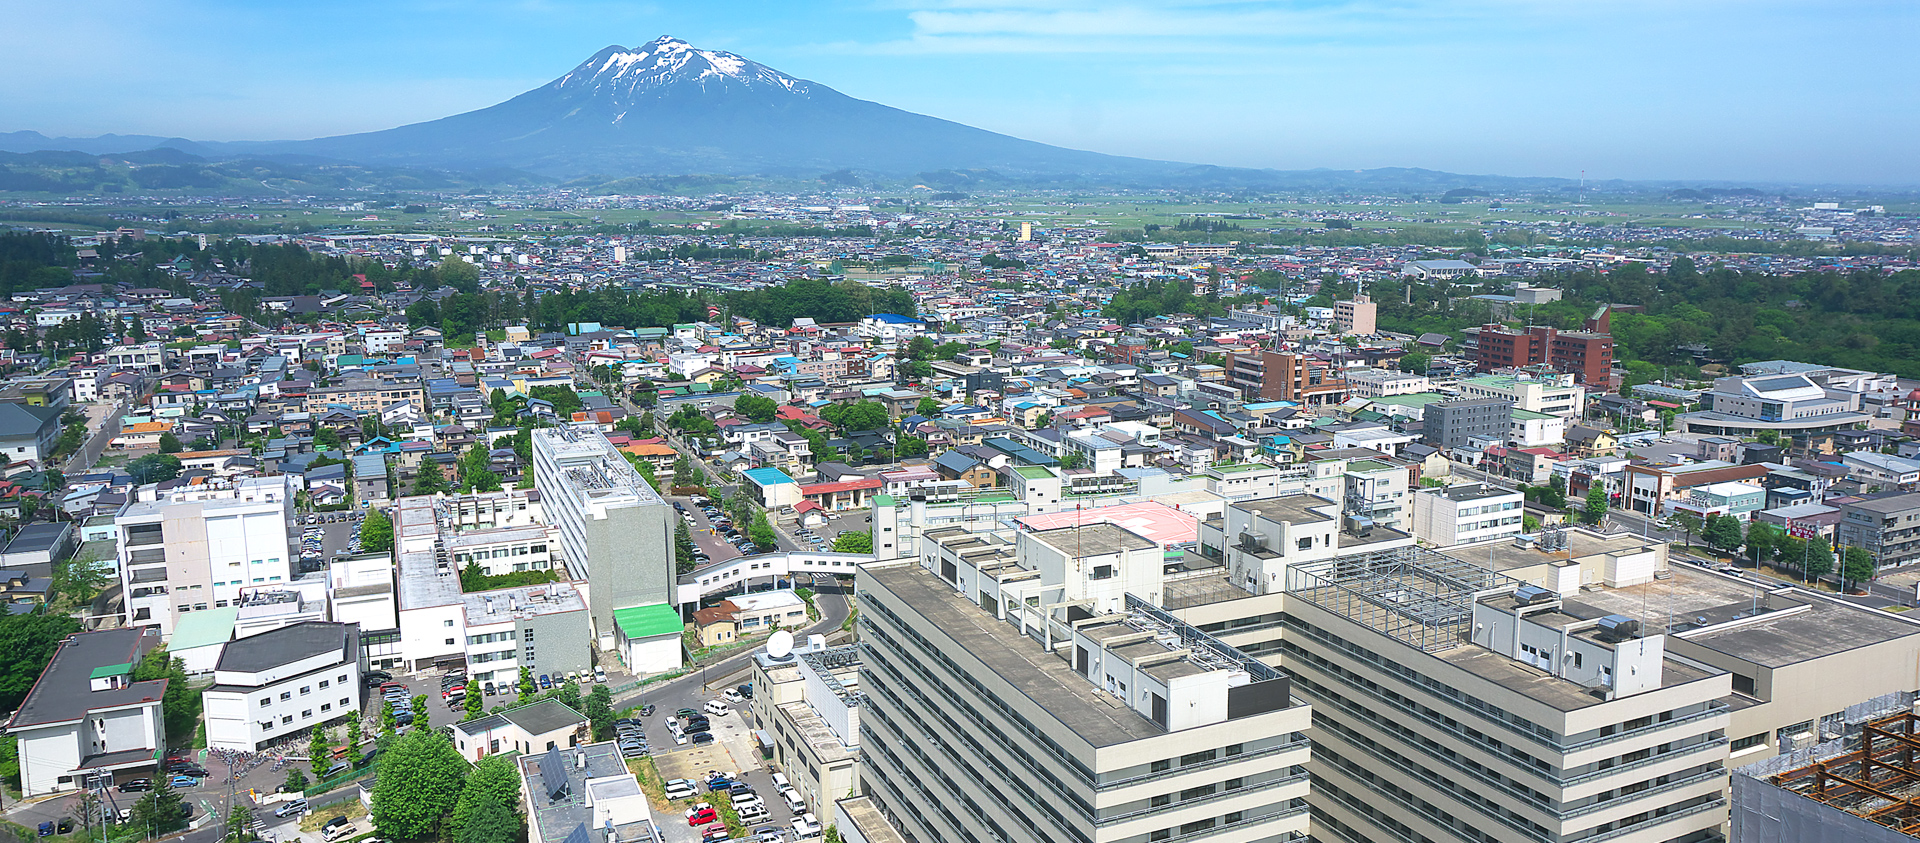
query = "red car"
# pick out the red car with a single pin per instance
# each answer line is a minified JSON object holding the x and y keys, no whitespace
{"x":702,"y":816}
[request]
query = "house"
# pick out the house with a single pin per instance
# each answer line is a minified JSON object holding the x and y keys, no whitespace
{"x":717,"y":624}
{"x":27,"y":433}
{"x":529,"y":729}
{"x":87,"y":716}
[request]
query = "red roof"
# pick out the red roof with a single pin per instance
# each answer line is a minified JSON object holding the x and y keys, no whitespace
{"x":807,"y":506}
{"x":842,"y":486}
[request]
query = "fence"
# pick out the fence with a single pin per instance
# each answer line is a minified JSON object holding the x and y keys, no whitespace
{"x":343,"y":778}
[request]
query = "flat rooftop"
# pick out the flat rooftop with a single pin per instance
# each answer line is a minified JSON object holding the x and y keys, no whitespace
{"x":553,"y":820}
{"x":1045,"y":678}
{"x":1470,"y":492}
{"x":1693,"y":601}
{"x":64,"y":690}
{"x":1504,"y":555}
{"x":1293,"y":509}
{"x":1093,"y":540}
{"x":1152,"y":520}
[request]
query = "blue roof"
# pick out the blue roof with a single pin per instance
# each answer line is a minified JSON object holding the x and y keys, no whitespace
{"x":764,"y":477}
{"x":893,"y":319}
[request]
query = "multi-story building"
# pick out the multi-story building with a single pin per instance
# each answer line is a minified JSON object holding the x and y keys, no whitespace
{"x":1466,"y":512}
{"x":1012,"y":723}
{"x":367,"y":395}
{"x":811,"y":710}
{"x":1258,"y":540}
{"x":1380,"y":383}
{"x":203,"y":546}
{"x":616,"y":531}
{"x":1452,"y":423}
{"x":282,"y":682}
{"x":85,"y":721}
{"x":147,"y":358}
{"x":1587,"y":355}
{"x":492,"y":631}
{"x":1554,"y":395}
{"x":1787,"y":405}
{"x":1355,"y":317}
{"x":1279,"y":376}
{"x":1885,"y":525}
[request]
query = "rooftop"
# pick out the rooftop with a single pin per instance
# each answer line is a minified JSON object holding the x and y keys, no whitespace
{"x":64,"y":691}
{"x":1097,"y":539}
{"x":286,"y":644}
{"x":1044,"y":678}
{"x":1293,"y":509}
{"x":1152,"y":520}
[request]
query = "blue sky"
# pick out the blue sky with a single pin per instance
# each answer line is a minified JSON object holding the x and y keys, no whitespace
{"x":1643,"y":89}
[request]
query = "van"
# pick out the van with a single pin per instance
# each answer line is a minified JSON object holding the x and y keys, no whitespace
{"x":338,"y":832}
{"x":780,"y":781}
{"x":337,"y":768}
{"x":717,"y":708}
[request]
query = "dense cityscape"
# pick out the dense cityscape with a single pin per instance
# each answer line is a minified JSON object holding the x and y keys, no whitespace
{"x":458,"y":483}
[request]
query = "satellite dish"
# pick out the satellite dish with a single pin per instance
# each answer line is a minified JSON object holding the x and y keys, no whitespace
{"x":780,"y":645}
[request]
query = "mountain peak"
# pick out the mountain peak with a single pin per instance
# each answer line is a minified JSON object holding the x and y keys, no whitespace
{"x":668,"y":62}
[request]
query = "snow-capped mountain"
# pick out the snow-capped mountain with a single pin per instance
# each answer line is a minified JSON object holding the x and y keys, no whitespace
{"x":668,"y":62}
{"x":671,"y":108}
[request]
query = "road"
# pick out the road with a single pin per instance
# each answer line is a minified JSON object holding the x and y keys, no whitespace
{"x":104,"y":421}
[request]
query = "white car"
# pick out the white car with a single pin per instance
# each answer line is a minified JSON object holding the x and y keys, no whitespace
{"x":600,"y":674}
{"x":717,"y":708}
{"x":805,"y":826}
{"x":733,"y":696}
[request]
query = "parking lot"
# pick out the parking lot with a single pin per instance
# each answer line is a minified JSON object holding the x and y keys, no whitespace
{"x":324,"y":535}
{"x":733,"y":752}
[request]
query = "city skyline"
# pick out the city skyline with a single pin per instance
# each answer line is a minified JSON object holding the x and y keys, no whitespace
{"x":1708,"y":91}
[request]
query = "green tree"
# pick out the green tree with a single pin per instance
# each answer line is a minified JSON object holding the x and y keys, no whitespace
{"x":240,"y":822}
{"x":1416,"y":362}
{"x":475,"y":707}
{"x":494,"y":780}
{"x":927,"y":407}
{"x":1818,"y":560}
{"x":646,"y":423}
{"x":1596,"y":507}
{"x":913,"y":446}
{"x":430,"y":480}
{"x":683,"y":471}
{"x":1529,"y":523}
{"x":161,"y":811}
{"x":491,"y":821}
{"x":683,"y":548}
{"x":599,"y":711}
{"x":854,"y":541}
{"x":327,"y":437}
{"x":376,"y":532}
{"x":1856,"y":566}
{"x":1072,"y":461}
{"x":1723,"y":533}
{"x":421,"y":776}
{"x":319,"y":752}
{"x":154,"y":468}
{"x":179,"y":703}
{"x":527,"y":688}
{"x":756,"y":408}
{"x":761,"y":532}
{"x":170,"y":444}
{"x":296,"y":781}
{"x":1690,"y":523}
{"x":353,"y":736}
{"x":1762,"y":539}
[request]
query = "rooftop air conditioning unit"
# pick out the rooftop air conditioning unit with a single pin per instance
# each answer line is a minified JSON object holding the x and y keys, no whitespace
{"x":1529,"y":595}
{"x":1618,"y":628}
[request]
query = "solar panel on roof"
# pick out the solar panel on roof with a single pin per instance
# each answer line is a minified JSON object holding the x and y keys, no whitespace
{"x":553,"y":774}
{"x":579,"y":834}
{"x":1775,"y":384}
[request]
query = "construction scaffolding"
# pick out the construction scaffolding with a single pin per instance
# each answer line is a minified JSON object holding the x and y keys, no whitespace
{"x":1876,"y":782}
{"x":1411,"y":593}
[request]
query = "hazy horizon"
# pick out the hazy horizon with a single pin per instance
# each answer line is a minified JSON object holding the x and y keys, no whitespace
{"x":1767,"y":92}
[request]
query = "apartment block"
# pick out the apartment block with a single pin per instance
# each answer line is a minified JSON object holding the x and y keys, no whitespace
{"x":366,"y":395}
{"x":811,"y":715}
{"x":1886,"y":525}
{"x":1455,"y":423}
{"x":1356,"y":317}
{"x":1553,"y":395}
{"x":203,"y":546}
{"x":1016,"y":723}
{"x":1381,"y":383}
{"x":1586,"y":355}
{"x":1278,"y":376}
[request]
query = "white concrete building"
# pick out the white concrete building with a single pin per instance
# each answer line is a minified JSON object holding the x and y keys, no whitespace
{"x":616,"y":532}
{"x":1380,"y":383}
{"x":202,"y":546}
{"x":1554,"y":395}
{"x":1468,"y":512}
{"x":282,"y":682}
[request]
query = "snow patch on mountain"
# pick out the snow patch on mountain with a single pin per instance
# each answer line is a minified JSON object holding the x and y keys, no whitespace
{"x":666,"y":61}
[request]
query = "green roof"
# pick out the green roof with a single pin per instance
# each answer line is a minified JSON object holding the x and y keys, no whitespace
{"x":648,"y":621}
{"x":105,"y":671}
{"x":1412,"y":399}
{"x":1033,"y":472}
{"x":203,"y":629}
{"x":1232,"y":468}
{"x":1368,"y":465}
{"x":883,"y":500}
{"x":1528,"y":414}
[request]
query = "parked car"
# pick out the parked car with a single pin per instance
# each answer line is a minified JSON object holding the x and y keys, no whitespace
{"x":546,"y":682}
{"x":289,"y":809}
{"x":717,"y":708}
{"x":183,"y":781}
{"x":805,"y":826}
{"x":600,"y":674}
{"x":701,"y":737}
{"x":647,"y":710}
{"x":701,"y":814}
{"x":46,"y":829}
{"x":746,"y":690}
{"x":136,"y":786}
{"x":66,"y":823}
{"x":733,"y":695}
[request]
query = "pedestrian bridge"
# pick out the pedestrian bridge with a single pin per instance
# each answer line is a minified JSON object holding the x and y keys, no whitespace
{"x":716,"y":577}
